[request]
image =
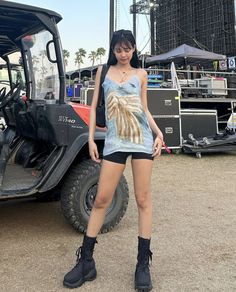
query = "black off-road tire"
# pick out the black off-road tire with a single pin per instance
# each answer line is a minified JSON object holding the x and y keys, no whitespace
{"x":78,"y":194}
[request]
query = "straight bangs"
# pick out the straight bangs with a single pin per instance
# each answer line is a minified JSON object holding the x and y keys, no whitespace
{"x":124,"y":44}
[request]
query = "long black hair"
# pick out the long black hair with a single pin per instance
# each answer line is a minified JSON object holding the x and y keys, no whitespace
{"x":123,"y":37}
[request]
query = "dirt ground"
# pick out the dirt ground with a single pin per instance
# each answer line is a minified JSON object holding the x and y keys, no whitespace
{"x":193,"y":242}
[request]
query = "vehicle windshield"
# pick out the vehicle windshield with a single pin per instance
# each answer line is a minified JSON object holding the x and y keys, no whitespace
{"x":43,"y":73}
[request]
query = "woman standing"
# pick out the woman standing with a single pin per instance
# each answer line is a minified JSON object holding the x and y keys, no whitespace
{"x":129,"y":133}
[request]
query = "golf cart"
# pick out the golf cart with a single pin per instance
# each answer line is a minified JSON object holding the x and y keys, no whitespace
{"x":44,"y":143}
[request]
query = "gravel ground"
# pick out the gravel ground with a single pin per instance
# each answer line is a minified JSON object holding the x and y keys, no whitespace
{"x":193,"y":242}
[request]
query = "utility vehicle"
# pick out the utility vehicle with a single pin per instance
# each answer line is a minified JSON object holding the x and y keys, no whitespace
{"x":44,"y":141}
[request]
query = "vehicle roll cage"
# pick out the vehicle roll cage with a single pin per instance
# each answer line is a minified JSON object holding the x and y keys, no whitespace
{"x":30,"y":20}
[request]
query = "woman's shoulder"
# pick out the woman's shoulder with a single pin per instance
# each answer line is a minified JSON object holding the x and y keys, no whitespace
{"x":98,"y":74}
{"x":100,"y":68}
{"x":142,"y":73}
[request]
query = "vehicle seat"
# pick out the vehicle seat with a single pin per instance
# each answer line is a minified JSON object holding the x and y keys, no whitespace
{"x":25,"y":120}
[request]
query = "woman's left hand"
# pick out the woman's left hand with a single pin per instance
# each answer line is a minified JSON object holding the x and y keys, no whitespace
{"x":157,"y":145}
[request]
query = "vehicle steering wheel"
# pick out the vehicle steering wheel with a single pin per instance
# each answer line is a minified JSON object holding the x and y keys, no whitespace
{"x":11,"y":95}
{"x":2,"y":93}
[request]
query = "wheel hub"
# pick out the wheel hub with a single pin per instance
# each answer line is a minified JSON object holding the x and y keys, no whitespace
{"x":90,"y":198}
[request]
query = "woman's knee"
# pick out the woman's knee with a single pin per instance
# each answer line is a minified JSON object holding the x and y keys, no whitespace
{"x":143,"y":200}
{"x":101,"y":202}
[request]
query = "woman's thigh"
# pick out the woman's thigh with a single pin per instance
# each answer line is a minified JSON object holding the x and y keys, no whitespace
{"x":142,"y":172}
{"x":109,"y":178}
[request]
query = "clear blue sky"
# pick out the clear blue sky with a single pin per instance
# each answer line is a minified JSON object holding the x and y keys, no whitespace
{"x":85,"y":24}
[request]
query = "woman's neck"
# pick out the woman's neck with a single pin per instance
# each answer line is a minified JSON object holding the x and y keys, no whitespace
{"x":125,"y":68}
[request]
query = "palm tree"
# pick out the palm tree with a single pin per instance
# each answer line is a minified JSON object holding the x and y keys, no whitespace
{"x":43,"y":68}
{"x":66,"y":55}
{"x":101,"y":52}
{"x":93,"y":57}
{"x":79,"y":55}
{"x":35,"y":62}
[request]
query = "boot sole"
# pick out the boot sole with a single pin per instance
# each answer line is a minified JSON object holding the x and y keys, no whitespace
{"x":143,"y":288}
{"x":92,"y":275}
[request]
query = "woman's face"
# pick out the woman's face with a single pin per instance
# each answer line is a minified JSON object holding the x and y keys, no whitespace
{"x":123,"y":53}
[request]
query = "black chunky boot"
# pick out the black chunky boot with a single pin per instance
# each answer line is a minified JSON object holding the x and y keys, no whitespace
{"x":143,"y":280}
{"x":84,"y":269}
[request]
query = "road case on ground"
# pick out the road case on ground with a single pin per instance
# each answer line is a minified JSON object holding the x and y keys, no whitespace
{"x":198,"y":122}
{"x":164,"y":105}
{"x":163,"y":101}
{"x":171,"y":129}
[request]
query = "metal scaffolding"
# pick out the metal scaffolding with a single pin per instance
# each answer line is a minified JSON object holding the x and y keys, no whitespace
{"x":141,"y":7}
{"x":204,"y":24}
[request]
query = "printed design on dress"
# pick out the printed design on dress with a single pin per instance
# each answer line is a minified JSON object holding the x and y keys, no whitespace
{"x":125,"y":109}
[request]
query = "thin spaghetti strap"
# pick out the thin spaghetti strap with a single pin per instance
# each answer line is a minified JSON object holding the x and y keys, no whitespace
{"x":136,"y":72}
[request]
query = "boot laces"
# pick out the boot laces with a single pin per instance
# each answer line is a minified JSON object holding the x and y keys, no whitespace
{"x":78,"y":253}
{"x":150,"y":257}
{"x":144,"y":263}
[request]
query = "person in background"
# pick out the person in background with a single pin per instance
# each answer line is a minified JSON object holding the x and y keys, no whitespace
{"x":130,"y":128}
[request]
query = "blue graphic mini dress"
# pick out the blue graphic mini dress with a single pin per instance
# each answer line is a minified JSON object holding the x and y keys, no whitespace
{"x":128,"y":129}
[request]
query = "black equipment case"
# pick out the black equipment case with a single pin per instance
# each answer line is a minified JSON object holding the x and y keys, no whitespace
{"x":164,"y":105}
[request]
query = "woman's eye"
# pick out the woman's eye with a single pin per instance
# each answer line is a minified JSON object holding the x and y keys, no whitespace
{"x":118,"y":51}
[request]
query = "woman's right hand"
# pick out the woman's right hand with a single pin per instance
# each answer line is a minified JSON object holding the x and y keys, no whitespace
{"x":93,"y":151}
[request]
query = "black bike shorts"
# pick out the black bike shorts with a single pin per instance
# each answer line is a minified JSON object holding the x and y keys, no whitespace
{"x":121,"y":157}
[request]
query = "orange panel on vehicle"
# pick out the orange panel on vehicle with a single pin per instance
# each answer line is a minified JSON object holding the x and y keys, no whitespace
{"x":82,"y":110}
